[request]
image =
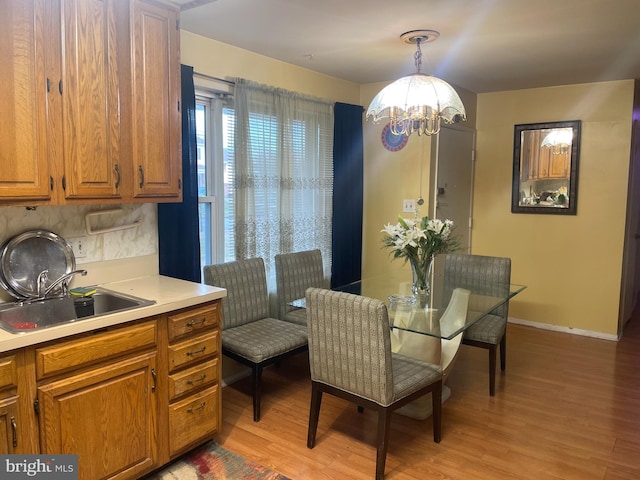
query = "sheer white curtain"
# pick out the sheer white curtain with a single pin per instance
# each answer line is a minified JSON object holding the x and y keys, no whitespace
{"x":283,"y":174}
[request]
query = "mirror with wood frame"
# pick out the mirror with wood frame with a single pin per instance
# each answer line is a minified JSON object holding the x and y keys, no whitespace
{"x":545,"y":167}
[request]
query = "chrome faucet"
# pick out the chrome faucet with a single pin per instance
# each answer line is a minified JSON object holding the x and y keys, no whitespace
{"x":42,"y":281}
{"x":63,"y":280}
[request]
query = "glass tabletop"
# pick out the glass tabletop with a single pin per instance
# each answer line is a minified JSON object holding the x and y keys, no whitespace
{"x":449,"y":309}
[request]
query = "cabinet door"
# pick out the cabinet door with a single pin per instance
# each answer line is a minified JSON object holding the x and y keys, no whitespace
{"x":544,"y":162}
{"x":156,"y":119}
{"x":24,"y":166}
{"x":559,"y":165}
{"x":8,"y":425}
{"x":106,"y":415}
{"x":94,"y":40}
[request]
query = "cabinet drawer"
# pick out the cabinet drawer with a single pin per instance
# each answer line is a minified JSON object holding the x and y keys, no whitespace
{"x":8,"y":372}
{"x":193,"y":350}
{"x":193,"y":320}
{"x":92,"y":349}
{"x":193,"y":378}
{"x":193,"y":419}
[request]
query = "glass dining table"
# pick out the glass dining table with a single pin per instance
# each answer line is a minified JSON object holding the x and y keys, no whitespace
{"x":432,"y":315}
{"x":430,"y":328}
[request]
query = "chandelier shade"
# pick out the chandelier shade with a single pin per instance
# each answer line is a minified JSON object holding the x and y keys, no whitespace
{"x":559,"y":140}
{"x":417,"y":103}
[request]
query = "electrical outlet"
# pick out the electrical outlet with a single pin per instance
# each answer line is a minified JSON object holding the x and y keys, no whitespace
{"x":79,"y":246}
{"x":408,"y":206}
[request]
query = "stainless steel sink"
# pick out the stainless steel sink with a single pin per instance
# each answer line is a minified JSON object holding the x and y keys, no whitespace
{"x":21,"y":317}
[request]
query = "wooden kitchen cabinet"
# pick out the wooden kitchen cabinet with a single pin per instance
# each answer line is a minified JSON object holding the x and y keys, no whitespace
{"x":8,"y":425}
{"x":126,"y":399}
{"x":8,"y":404}
{"x":18,"y":429}
{"x":97,"y":398}
{"x":157,"y":127}
{"x":541,"y":163}
{"x":25,"y":171}
{"x":553,"y":164}
{"x":559,"y":165}
{"x":92,"y":58}
{"x":194,"y":368}
{"x":90,"y":102}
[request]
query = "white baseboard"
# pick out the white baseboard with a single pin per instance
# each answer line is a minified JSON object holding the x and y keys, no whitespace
{"x":558,"y":328}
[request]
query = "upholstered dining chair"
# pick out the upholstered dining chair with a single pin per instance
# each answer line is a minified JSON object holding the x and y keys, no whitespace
{"x":488,"y":276}
{"x":249,"y":335}
{"x":295,"y":272}
{"x":350,"y":357}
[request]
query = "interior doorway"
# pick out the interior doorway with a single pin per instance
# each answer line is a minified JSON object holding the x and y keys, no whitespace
{"x":451,"y":184}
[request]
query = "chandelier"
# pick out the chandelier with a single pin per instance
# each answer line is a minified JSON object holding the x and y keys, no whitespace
{"x":559,"y":140}
{"x":417,"y":103}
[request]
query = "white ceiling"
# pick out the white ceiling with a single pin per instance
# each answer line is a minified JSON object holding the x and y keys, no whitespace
{"x":484,"y":45}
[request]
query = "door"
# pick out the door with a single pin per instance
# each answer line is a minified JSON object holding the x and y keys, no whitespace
{"x":451,"y":187}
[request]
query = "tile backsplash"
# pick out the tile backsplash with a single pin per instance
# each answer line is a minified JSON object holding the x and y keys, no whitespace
{"x":69,"y":222}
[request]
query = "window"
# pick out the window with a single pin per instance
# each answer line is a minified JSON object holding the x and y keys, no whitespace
{"x":214,"y":138}
{"x":283,"y":175}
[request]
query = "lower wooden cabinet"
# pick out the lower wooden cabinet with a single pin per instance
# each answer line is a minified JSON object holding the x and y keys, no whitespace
{"x":194,"y":375}
{"x":193,"y":418}
{"x":8,"y":425}
{"x":107,"y":416}
{"x":12,"y":426}
{"x":126,"y":400}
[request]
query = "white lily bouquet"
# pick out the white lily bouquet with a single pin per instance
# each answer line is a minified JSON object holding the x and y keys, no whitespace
{"x":418,"y":241}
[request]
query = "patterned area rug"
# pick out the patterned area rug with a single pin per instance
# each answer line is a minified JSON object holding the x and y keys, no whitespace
{"x":213,"y":462}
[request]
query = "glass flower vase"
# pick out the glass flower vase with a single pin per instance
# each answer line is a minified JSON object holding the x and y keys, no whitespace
{"x":421,"y":279}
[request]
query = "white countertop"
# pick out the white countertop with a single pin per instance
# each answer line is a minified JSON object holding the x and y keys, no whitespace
{"x":169,"y":294}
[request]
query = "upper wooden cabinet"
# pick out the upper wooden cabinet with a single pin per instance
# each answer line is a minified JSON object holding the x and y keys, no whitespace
{"x":156,"y":106}
{"x":24,"y":164}
{"x":94,"y":38}
{"x":93,"y":110}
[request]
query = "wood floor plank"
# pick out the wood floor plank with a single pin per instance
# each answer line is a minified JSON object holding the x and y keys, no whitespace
{"x":568,"y":407}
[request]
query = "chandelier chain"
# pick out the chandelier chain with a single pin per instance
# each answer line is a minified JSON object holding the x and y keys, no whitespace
{"x":418,"y":55}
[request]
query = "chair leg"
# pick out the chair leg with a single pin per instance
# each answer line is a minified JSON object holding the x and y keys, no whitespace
{"x":384,"y":424}
{"x":503,"y":352}
{"x":436,"y":407}
{"x":256,"y":387}
{"x":314,"y":414}
{"x":492,"y":370}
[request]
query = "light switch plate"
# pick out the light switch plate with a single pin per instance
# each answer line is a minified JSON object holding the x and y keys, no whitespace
{"x":408,"y":206}
{"x":79,"y":246}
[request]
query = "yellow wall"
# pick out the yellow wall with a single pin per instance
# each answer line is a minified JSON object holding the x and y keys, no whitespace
{"x":571,"y":264}
{"x":221,"y":60}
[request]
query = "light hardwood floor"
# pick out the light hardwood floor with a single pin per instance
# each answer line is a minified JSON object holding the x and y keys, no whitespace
{"x":568,"y":407}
